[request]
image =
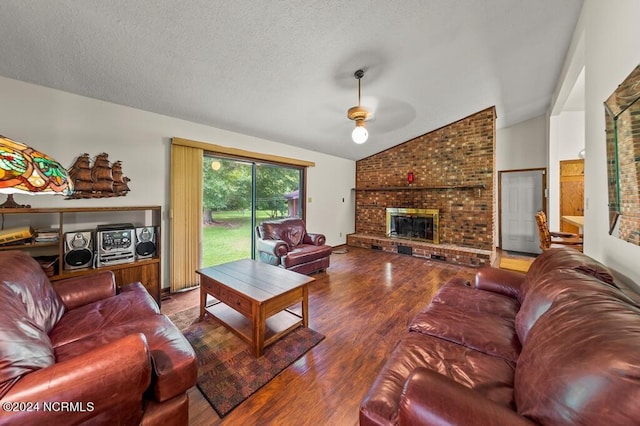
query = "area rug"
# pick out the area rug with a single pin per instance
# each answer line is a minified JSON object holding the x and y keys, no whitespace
{"x":184,"y":319}
{"x":227,"y":371}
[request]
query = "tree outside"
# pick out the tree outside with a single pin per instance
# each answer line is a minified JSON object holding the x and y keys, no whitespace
{"x":227,"y":226}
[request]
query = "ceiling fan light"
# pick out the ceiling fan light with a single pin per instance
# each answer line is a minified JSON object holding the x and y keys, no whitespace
{"x":360,"y":134}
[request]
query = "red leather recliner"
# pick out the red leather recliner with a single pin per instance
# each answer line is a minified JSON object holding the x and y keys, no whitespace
{"x":286,"y":243}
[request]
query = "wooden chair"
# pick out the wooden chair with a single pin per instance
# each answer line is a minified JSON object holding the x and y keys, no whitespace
{"x":551,"y":239}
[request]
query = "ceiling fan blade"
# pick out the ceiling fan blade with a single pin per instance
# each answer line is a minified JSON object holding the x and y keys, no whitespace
{"x":391,"y":114}
{"x":371,"y":103}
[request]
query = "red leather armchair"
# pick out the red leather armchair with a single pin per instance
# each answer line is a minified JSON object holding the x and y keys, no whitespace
{"x":286,"y":243}
{"x":77,"y":353}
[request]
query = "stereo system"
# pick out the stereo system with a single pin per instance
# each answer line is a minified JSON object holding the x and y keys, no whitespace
{"x":114,"y":244}
{"x":78,"y":249}
{"x":145,"y":242}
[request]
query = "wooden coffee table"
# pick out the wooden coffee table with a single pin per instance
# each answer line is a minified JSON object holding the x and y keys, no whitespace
{"x":251,"y":299}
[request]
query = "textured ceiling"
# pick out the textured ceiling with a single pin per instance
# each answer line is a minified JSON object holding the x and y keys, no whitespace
{"x":283,"y":70}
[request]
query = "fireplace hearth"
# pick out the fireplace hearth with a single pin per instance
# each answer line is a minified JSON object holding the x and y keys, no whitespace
{"x":413,"y":224}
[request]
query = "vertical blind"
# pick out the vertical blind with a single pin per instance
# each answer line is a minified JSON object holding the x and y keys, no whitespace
{"x":185,"y":215}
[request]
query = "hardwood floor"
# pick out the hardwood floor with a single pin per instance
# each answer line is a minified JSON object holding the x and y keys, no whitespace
{"x":362,"y":304}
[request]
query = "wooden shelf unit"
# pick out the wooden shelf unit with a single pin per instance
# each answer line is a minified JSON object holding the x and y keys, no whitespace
{"x":74,"y":219}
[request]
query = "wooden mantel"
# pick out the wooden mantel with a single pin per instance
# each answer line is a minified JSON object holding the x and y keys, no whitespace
{"x":419,"y":188}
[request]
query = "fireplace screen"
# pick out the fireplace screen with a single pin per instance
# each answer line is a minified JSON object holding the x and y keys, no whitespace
{"x":413,"y":224}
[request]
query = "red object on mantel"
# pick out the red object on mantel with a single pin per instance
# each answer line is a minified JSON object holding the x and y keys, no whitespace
{"x":410,"y":177}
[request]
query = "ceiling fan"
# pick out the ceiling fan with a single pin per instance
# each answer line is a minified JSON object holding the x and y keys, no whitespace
{"x":359,"y":114}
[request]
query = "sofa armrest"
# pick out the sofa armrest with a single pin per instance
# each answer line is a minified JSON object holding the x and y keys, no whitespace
{"x":276,"y":248}
{"x":106,"y":383}
{"x":314,"y":239}
{"x":429,"y":397}
{"x":499,"y":281}
{"x":85,"y":289}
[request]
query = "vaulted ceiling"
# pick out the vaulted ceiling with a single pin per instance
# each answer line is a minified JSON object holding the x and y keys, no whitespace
{"x":283,"y":70}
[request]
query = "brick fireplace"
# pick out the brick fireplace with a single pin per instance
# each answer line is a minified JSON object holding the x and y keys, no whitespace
{"x":413,"y":224}
{"x":452,"y":172}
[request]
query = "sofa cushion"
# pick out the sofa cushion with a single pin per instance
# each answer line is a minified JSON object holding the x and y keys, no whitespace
{"x":489,"y":375}
{"x":564,"y":258}
{"x":291,"y":231}
{"x":581,"y":363}
{"x":30,"y":284}
{"x":551,"y":286}
{"x":174,"y":361}
{"x":24,"y":346}
{"x":477,"y":319}
{"x":132,"y":303}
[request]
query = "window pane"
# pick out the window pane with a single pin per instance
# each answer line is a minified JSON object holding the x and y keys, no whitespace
{"x":226,"y":216}
{"x":277,"y":192}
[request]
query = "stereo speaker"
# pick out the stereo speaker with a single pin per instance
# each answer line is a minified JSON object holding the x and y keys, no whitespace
{"x":145,"y":242}
{"x":78,"y":250}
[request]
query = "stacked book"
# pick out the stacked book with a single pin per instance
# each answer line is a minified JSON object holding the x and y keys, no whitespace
{"x":15,"y":235}
{"x":46,"y":236}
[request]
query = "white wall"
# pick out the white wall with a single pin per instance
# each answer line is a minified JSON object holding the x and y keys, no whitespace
{"x":570,"y":135}
{"x":64,"y":126}
{"x":523,"y":145}
{"x":612,"y":51}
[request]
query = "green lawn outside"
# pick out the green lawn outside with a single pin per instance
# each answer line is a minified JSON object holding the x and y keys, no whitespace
{"x":229,"y":238}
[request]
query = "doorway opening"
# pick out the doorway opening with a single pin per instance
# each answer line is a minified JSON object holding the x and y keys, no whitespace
{"x":521,"y":195}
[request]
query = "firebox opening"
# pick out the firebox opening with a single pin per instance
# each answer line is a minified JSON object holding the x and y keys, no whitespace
{"x":413,"y":224}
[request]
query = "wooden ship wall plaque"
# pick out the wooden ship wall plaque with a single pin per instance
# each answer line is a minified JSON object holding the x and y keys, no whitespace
{"x":98,"y":180}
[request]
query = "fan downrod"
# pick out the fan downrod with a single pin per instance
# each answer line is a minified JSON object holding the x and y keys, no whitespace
{"x":358,"y":113}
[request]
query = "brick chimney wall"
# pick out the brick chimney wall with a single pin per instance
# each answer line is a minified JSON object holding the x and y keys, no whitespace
{"x":449,"y":165}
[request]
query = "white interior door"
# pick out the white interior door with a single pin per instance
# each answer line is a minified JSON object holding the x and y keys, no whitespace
{"x":521,"y":197}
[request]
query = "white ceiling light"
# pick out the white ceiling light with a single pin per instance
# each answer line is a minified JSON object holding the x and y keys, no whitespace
{"x":360,"y":134}
{"x":359,"y":114}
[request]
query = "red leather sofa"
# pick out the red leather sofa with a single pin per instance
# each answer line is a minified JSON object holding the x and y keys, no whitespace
{"x":286,"y":243}
{"x":557,"y":346}
{"x":78,"y":353}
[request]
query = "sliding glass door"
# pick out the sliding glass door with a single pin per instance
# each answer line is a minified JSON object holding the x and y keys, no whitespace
{"x":237,"y":195}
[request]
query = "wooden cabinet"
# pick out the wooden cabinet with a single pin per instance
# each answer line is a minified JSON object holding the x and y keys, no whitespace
{"x":571,"y":192}
{"x":70,"y":221}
